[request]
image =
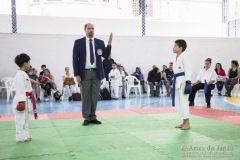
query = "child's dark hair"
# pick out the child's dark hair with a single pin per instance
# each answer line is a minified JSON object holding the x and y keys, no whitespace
{"x":21,"y":59}
{"x":235,"y":62}
{"x":181,"y":43}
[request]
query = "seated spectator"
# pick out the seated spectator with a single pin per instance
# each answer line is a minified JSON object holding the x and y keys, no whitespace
{"x":114,"y":76}
{"x":68,"y":83}
{"x":232,"y":77}
{"x":126,"y":74}
{"x":168,"y":75}
{"x":164,"y":67}
{"x":154,"y":79}
{"x":123,"y":82}
{"x":221,"y":78}
{"x":107,"y":66}
{"x":43,"y":67}
{"x":47,"y":83}
{"x":138,"y":74}
{"x":206,"y":80}
{"x":35,"y":83}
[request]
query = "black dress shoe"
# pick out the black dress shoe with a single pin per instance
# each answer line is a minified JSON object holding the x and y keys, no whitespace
{"x":208,"y":105}
{"x":95,"y":121}
{"x":191,"y":104}
{"x":123,"y":97}
{"x":86,"y":122}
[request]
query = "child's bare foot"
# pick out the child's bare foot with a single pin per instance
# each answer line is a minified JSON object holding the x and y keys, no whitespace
{"x":186,"y":126}
{"x":180,"y":126}
{"x":27,"y":140}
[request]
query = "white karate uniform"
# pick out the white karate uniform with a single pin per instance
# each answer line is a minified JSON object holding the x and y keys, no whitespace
{"x":122,"y":82}
{"x":22,"y":85}
{"x":114,"y":82}
{"x":182,"y":64}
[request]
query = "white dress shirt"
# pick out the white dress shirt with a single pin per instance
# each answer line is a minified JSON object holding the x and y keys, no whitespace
{"x":88,"y":63}
{"x":207,"y":75}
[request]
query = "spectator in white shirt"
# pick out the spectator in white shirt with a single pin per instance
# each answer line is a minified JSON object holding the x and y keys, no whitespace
{"x":206,"y":80}
{"x":68,"y":83}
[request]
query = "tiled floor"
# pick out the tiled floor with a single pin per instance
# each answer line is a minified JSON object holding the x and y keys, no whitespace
{"x":218,"y":102}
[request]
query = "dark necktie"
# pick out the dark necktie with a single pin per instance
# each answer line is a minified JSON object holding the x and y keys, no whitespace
{"x":91,"y":52}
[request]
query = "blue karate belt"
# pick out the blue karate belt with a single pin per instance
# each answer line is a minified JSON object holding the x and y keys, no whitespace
{"x":205,"y":87}
{"x":174,"y":82}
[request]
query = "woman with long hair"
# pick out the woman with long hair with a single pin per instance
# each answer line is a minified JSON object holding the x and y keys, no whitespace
{"x":221,"y":77}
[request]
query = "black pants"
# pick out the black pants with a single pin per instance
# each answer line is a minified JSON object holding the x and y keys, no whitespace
{"x":219,"y":85}
{"x":229,"y":85}
{"x":199,"y":86}
{"x":143,"y":85}
{"x":47,"y":87}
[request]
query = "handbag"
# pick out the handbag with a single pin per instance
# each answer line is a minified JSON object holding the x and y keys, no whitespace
{"x":188,"y":88}
{"x":76,"y":97}
{"x":68,"y":81}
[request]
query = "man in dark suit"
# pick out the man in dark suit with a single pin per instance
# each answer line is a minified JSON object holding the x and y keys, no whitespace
{"x":88,"y":70}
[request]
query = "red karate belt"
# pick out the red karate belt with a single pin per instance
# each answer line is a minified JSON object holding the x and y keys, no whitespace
{"x":31,"y":96}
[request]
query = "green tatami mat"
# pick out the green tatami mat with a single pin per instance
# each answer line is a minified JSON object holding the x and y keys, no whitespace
{"x":126,"y":137}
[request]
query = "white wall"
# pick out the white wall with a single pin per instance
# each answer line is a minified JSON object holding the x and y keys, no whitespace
{"x":120,"y":27}
{"x":56,"y":51}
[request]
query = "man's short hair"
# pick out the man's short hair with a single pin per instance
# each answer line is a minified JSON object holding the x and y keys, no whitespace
{"x":209,"y":60}
{"x":43,"y":66}
{"x":181,"y":43}
{"x":170,"y":62}
{"x":21,"y":59}
{"x":85,"y":26}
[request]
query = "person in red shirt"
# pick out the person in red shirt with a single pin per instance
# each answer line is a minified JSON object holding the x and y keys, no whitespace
{"x":221,"y":78}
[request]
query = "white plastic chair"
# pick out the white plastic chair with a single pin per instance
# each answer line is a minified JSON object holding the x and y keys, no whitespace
{"x":130,"y":84}
{"x":236,"y":88}
{"x":10,"y":87}
{"x":3,"y":82}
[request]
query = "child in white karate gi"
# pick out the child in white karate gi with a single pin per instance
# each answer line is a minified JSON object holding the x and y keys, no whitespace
{"x":114,"y":77}
{"x":24,"y":99}
{"x":182,"y":73}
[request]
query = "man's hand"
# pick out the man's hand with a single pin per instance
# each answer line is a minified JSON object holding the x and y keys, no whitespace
{"x":78,"y":78}
{"x":110,"y":39}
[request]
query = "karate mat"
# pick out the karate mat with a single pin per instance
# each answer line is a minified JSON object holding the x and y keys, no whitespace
{"x":141,"y":134}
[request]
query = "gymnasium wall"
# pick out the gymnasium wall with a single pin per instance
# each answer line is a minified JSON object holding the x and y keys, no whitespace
{"x":56,"y":51}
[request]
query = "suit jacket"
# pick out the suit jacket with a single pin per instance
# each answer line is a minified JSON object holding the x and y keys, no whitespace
{"x":79,"y":57}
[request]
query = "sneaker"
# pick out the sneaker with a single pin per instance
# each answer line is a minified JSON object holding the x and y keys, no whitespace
{"x":47,"y":99}
{"x":38,"y":100}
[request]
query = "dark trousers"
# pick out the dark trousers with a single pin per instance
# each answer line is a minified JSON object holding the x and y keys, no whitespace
{"x":143,"y":85}
{"x":219,"y":85}
{"x":90,"y":88}
{"x":229,"y":85}
{"x":199,"y":86}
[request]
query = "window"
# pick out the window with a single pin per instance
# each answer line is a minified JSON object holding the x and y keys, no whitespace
{"x":136,"y":8}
